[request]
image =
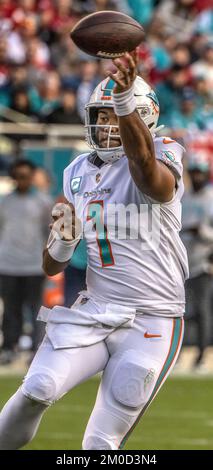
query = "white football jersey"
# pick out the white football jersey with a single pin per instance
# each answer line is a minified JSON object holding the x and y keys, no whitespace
{"x":135,"y":258}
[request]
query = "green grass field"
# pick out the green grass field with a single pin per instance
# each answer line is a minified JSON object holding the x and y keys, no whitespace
{"x":181,"y":417}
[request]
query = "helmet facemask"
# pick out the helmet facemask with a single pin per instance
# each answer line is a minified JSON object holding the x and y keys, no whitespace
{"x":92,"y":133}
{"x":147,"y":106}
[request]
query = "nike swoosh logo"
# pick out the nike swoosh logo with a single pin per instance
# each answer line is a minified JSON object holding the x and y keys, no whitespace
{"x":168,"y":141}
{"x":147,"y":335}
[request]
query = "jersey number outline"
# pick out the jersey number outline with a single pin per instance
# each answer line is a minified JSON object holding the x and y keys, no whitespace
{"x":104,"y":245}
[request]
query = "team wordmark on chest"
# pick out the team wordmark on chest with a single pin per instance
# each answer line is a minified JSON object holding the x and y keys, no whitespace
{"x":98,"y":192}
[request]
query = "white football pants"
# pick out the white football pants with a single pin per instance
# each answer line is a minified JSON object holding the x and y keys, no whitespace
{"x":135,"y":363}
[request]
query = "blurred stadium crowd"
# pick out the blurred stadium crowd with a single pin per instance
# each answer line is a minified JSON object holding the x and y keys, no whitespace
{"x":44,"y":76}
{"x":45,"y":79}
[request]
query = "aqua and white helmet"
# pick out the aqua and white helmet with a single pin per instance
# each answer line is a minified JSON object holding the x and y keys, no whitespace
{"x":147,"y":106}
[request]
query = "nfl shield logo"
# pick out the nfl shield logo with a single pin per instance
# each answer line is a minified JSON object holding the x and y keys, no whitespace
{"x":75,"y":184}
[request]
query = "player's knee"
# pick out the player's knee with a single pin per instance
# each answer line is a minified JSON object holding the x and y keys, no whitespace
{"x":132,"y":383}
{"x":41,"y":388}
{"x":96,"y":442}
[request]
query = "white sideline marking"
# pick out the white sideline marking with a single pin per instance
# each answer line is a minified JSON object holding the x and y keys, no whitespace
{"x":199,"y":442}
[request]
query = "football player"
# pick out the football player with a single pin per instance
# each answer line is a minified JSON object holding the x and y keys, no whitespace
{"x":129,"y":322}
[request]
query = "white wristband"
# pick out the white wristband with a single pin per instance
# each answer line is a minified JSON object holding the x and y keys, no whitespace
{"x":125,"y":102}
{"x":62,"y":250}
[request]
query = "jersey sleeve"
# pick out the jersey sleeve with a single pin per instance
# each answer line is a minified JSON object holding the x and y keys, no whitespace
{"x":171,"y":154}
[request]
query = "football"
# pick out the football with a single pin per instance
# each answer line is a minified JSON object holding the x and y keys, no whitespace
{"x":107,"y":34}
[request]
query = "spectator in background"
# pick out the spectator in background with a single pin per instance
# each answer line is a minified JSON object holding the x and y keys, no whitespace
{"x":204,"y":21}
{"x":197,"y":46}
{"x":197,"y":235}
{"x":89,"y":80}
{"x":203,"y":91}
{"x":207,"y":116}
{"x":188,"y":116}
{"x":17,"y":80}
{"x":45,"y":96}
{"x":181,"y":55}
{"x":36,"y":34}
{"x":42,"y":180}
{"x":142,"y":10}
{"x":64,"y":53}
{"x":24,"y":217}
{"x":46,"y":18}
{"x":66,"y":112}
{"x":65,"y":16}
{"x":204,"y":66}
{"x":21,"y":104}
{"x":178,"y":17}
{"x":38,"y":54}
{"x":170,"y":91}
{"x":19,"y":76}
{"x":24,"y":30}
{"x":4,"y":65}
{"x":24,"y":7}
{"x":161,"y":57}
{"x":204,"y":95}
{"x":4,"y":75}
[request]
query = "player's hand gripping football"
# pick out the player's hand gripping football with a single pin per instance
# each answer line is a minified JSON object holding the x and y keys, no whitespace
{"x":65,"y":223}
{"x":126,"y":71}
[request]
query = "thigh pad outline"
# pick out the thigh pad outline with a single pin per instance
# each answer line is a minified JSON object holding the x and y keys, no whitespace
{"x":132,"y":382}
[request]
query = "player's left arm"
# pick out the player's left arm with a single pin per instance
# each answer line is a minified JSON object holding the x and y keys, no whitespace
{"x":151,"y":176}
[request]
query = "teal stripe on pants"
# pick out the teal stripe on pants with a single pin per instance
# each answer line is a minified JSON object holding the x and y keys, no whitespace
{"x":172,"y":352}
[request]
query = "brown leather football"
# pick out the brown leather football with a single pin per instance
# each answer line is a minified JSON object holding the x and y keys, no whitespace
{"x":107,"y":34}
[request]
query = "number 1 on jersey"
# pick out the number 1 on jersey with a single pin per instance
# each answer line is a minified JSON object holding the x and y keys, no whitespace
{"x":96,"y":212}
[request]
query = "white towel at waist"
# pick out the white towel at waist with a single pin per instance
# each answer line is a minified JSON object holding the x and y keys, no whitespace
{"x":84,"y":323}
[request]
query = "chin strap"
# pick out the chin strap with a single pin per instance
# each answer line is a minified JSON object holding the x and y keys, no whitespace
{"x":110,"y":157}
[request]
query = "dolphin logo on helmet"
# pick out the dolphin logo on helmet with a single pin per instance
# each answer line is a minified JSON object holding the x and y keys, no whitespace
{"x":147,"y":106}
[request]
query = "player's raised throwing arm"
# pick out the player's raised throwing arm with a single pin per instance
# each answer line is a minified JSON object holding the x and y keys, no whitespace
{"x":151,"y":176}
{"x":64,"y":237}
